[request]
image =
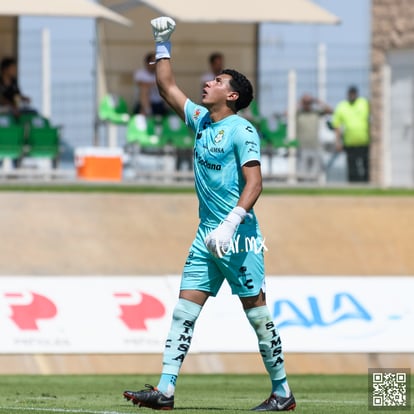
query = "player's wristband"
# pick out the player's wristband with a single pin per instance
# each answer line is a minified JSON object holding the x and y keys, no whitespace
{"x":236,"y":216}
{"x":162,"y":50}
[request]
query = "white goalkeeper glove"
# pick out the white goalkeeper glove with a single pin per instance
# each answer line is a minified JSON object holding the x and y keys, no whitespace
{"x":162,"y":29}
{"x":219,"y":240}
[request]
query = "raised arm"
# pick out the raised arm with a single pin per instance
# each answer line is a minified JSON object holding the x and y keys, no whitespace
{"x":144,"y":98}
{"x":162,"y":28}
{"x":167,"y":87}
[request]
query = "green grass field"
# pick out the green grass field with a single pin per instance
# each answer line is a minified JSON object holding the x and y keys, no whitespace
{"x":315,"y":394}
{"x":280,"y":189}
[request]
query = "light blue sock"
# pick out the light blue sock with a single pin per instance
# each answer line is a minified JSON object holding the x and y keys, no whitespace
{"x":281,"y":387}
{"x":167,"y":384}
{"x":270,"y":347}
{"x":178,"y":343}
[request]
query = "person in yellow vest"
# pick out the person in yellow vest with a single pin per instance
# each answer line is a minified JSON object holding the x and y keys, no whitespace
{"x":351,"y":123}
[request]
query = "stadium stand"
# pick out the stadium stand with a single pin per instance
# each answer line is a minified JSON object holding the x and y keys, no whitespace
{"x":28,"y":136}
{"x":42,"y":138}
{"x":113,"y":109}
{"x":163,"y":137}
{"x":11,"y":139}
{"x":147,"y":133}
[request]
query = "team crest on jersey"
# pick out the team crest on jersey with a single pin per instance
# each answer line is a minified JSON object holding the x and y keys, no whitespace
{"x":196,"y":114}
{"x":219,"y":136}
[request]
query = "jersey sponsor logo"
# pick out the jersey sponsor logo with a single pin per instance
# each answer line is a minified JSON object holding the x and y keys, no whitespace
{"x":219,"y":136}
{"x":217,"y":150}
{"x":249,"y":128}
{"x":196,"y":114}
{"x":253,"y":147}
{"x":206,"y":164}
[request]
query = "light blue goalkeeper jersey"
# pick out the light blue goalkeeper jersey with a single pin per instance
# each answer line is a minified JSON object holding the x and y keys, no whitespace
{"x":220,"y":151}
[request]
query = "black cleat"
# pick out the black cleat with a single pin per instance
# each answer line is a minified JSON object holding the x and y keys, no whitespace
{"x":151,"y":398}
{"x":276,"y":403}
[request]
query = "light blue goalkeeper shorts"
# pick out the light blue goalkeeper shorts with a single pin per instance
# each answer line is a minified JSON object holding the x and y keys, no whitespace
{"x":242,"y":266}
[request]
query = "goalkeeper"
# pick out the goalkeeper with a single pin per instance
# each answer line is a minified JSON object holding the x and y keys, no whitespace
{"x":227,"y":244}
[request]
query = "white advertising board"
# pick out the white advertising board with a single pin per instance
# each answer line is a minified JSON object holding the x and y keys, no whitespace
{"x":132,"y":315}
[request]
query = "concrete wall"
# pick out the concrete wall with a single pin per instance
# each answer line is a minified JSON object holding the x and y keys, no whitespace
{"x":128,"y":234}
{"x":392,"y":28}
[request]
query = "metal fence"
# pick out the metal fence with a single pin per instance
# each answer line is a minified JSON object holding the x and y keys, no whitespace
{"x":71,"y":88}
{"x":323,"y":71}
{"x":320,"y":71}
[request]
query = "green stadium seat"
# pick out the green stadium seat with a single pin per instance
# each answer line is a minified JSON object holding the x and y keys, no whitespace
{"x":6,"y":120}
{"x":137,"y":130}
{"x":176,"y":132}
{"x":274,"y":132}
{"x":33,"y":119}
{"x":11,"y":142}
{"x":113,"y":109}
{"x":146,"y":132}
{"x":43,"y":142}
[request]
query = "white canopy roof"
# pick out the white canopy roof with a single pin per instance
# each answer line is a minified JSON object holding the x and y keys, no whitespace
{"x":238,"y":11}
{"x":64,"y":8}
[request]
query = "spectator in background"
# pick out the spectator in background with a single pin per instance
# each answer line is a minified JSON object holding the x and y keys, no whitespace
{"x":307,"y":132}
{"x":216,"y":64}
{"x":149,"y":101}
{"x":11,"y":98}
{"x":351,"y":123}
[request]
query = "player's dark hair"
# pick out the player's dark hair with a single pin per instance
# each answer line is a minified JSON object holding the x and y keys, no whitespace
{"x":242,"y":86}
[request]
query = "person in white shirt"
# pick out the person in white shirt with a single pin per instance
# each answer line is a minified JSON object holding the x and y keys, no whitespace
{"x":149,"y":101}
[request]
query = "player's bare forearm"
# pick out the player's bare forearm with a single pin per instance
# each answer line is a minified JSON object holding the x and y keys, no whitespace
{"x":338,"y":142}
{"x":145,"y":99}
{"x":168,"y":88}
{"x":253,"y":188}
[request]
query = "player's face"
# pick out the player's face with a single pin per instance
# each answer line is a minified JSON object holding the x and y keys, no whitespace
{"x":217,"y":91}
